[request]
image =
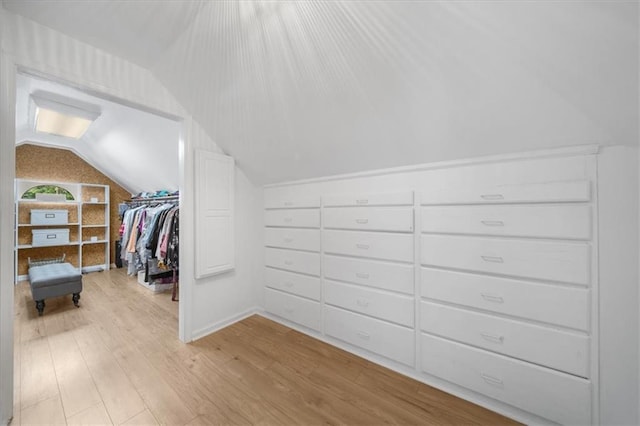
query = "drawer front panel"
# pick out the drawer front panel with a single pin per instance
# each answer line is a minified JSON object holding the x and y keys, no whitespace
{"x":555,"y":396}
{"x":556,"y":349}
{"x":286,"y":201}
{"x":295,"y":261}
{"x":389,"y":340}
{"x":548,"y":221}
{"x":390,"y":307}
{"x":295,"y":309}
{"x":299,"y":239}
{"x":565,"y":306}
{"x":398,"y":219}
{"x":296,"y":218}
{"x":290,"y":282}
{"x":381,"y":199}
{"x":372,"y":273}
{"x":557,"y":261}
{"x":397,"y":247}
{"x":487,"y":193}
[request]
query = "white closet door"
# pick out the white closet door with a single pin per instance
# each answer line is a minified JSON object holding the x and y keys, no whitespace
{"x":214,"y":181}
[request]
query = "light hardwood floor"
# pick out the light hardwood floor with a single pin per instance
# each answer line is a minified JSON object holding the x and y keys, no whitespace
{"x":117,"y":360}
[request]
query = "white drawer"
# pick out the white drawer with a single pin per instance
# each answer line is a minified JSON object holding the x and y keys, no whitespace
{"x":521,"y":181}
{"x":557,"y":261}
{"x":301,"y":285}
{"x":389,"y":340}
{"x":556,"y":349}
{"x":472,"y":193}
{"x":295,"y":218}
{"x":399,"y":219}
{"x":296,"y":261}
{"x":289,"y":201}
{"x":386,"y":306}
{"x":295,"y":309}
{"x":550,"y":221}
{"x":372,"y":273}
{"x":380,"y":199}
{"x":398,"y":247}
{"x":299,"y":239}
{"x":565,"y":306}
{"x":547,"y":393}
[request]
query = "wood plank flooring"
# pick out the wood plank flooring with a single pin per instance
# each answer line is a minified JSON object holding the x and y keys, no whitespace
{"x":117,"y":360}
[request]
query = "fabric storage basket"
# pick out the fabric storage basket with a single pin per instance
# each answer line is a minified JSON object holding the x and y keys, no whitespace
{"x":49,"y":237}
{"x":49,"y":217}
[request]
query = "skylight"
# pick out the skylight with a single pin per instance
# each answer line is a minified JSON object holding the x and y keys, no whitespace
{"x":60,"y":116}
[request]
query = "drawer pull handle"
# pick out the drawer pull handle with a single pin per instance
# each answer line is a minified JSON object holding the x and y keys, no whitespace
{"x":362,"y":275}
{"x":288,"y":284}
{"x":288,"y":262}
{"x":492,"y":380}
{"x":492,"y":222}
{"x":494,"y":338}
{"x":288,"y":219}
{"x":49,"y":215}
{"x":363,"y":335}
{"x":363,"y":246}
{"x":362,"y":221}
{"x":362,"y":303}
{"x":492,"y":197}
{"x":288,"y":203}
{"x":362,"y":201}
{"x":492,"y":298}
{"x":492,"y":259}
{"x":288,"y":240}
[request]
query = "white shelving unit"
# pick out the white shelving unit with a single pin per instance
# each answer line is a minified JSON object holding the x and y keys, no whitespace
{"x":88,"y":226}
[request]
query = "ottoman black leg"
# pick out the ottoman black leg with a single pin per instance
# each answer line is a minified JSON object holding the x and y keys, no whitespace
{"x":40,"y":306}
{"x":76,"y":299}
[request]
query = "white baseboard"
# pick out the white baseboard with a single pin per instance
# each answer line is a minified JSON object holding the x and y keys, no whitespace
{"x":95,"y":268}
{"x":219,"y":325}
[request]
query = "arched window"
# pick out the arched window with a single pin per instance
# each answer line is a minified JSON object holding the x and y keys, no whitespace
{"x":30,"y":194}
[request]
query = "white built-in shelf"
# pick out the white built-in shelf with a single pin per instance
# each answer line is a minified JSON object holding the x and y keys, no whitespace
{"x":29,"y":246}
{"x":73,"y":203}
{"x":95,"y":242}
{"x":28,"y":225}
{"x":83,"y":193}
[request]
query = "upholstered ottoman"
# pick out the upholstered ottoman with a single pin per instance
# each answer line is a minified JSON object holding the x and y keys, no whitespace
{"x":53,"y":280}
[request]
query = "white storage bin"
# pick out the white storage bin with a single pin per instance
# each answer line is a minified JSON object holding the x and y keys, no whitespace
{"x":49,"y":237}
{"x":49,"y":217}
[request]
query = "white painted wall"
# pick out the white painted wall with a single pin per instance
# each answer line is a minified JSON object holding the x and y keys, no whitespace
{"x":618,"y":268}
{"x":40,"y":49}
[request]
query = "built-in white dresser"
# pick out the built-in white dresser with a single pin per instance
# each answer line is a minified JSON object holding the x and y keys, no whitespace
{"x":506,"y":279}
{"x":292,"y":259}
{"x":368,"y":256}
{"x":480,"y":278}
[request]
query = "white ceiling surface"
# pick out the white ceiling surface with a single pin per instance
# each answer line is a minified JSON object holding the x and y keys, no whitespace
{"x":303,"y":89}
{"x":136,"y":149}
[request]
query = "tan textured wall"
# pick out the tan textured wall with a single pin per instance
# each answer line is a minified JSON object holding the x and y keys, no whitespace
{"x":60,"y":165}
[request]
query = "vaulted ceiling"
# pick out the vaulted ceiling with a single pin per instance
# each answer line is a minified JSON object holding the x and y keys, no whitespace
{"x":297,"y":89}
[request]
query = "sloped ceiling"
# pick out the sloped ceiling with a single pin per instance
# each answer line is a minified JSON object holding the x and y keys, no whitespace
{"x":302,"y":89}
{"x":137,"y":149}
